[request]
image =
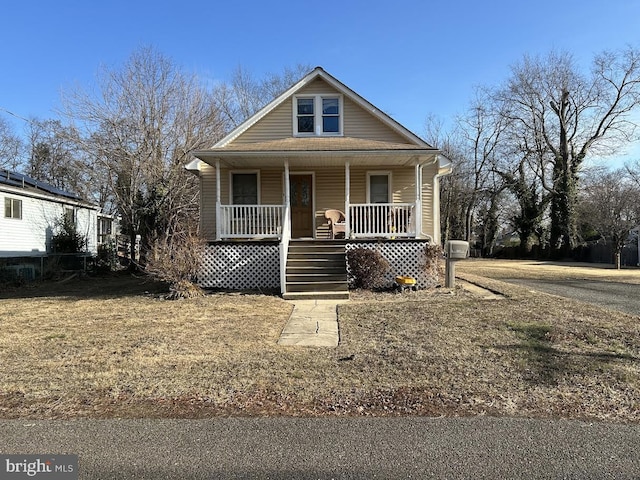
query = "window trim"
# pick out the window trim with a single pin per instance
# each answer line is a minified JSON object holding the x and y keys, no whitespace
{"x":380,"y":173}
{"x":12,"y":201}
{"x":72,"y":213}
{"x":318,"y":115}
{"x":236,"y":172}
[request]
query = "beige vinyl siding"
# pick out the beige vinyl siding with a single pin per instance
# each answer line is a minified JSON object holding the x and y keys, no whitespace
{"x":428,"y":173}
{"x":329,"y":195}
{"x":277,"y":124}
{"x":358,"y":122}
{"x":208,"y":202}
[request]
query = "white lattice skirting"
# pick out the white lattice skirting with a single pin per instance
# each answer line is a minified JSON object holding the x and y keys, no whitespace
{"x":406,"y":257}
{"x":256,"y":265}
{"x":241,"y":266}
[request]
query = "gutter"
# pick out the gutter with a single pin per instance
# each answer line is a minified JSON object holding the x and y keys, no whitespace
{"x":202,"y":154}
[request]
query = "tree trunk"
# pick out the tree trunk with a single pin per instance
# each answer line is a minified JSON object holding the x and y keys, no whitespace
{"x":563,"y":211}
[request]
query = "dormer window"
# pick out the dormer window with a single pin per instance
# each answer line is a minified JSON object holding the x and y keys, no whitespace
{"x":317,"y":115}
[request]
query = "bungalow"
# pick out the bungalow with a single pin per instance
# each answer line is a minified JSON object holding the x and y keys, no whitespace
{"x":315,"y":173}
{"x":32,"y":211}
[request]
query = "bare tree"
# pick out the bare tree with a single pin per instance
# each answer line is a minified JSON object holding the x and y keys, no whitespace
{"x":55,"y":159}
{"x":11,"y":147}
{"x":139,"y":129}
{"x":481,"y":130}
{"x":609,"y":205}
{"x":573,"y":115}
{"x":455,"y":187}
{"x":245,"y":94}
{"x":472,"y":193}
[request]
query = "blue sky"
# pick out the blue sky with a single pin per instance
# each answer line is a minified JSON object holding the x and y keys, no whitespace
{"x":409,"y":58}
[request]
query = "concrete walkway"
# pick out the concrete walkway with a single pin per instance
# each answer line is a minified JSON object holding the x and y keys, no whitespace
{"x":313,"y":323}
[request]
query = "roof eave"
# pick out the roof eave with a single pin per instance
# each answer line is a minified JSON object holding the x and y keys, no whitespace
{"x":213,"y":154}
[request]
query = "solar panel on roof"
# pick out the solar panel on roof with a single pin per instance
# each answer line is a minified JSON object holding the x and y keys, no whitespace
{"x":21,"y":180}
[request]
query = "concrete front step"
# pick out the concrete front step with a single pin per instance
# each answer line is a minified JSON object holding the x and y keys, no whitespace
{"x":338,"y":295}
{"x":317,"y":286}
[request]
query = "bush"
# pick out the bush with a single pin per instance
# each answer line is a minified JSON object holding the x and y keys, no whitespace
{"x":176,"y":260}
{"x":433,"y":265}
{"x":107,"y":260}
{"x":368,"y":268}
{"x":67,"y":239}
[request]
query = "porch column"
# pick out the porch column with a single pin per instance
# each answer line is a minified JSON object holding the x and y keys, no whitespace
{"x":218,"y":203}
{"x":418,"y":207}
{"x":287,"y":187}
{"x":285,"y":235}
{"x":347,"y":200}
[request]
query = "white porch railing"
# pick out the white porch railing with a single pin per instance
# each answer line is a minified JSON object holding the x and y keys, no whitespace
{"x":387,"y":220}
{"x":250,"y":221}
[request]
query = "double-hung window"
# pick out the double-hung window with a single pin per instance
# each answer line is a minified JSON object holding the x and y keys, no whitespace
{"x":318,"y":115}
{"x":13,"y":208}
{"x":244,"y":188}
{"x":378,"y":187}
{"x":69,"y":216}
{"x":306,"y":115}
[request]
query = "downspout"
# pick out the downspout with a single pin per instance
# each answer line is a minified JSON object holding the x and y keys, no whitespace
{"x":218,"y":202}
{"x":418,"y":207}
{"x":436,"y":207}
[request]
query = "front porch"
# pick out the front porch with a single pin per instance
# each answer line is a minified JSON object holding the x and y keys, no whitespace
{"x":267,"y":196}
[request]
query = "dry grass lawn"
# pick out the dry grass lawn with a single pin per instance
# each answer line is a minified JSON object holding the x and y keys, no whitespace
{"x":113,"y":348}
{"x":537,"y":269}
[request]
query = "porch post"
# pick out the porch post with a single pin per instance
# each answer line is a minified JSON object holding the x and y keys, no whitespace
{"x":218,"y":203}
{"x":418,"y":207}
{"x":287,"y":187}
{"x":347,"y":200}
{"x":285,"y":229}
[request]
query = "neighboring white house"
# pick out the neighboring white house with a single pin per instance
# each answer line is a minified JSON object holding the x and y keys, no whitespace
{"x":31,"y":212}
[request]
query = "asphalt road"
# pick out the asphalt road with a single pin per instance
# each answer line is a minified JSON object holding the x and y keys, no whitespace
{"x":624,"y":297}
{"x":333,"y":448}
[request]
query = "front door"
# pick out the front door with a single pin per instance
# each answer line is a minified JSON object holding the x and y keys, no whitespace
{"x":301,"y":188}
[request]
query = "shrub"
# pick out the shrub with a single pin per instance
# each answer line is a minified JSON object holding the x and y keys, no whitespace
{"x":433,"y":265}
{"x":107,"y":260}
{"x":176,"y":259}
{"x":368,"y":268}
{"x":67,"y":239}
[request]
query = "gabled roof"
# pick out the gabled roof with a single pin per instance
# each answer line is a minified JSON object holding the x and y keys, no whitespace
{"x":316,"y":73}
